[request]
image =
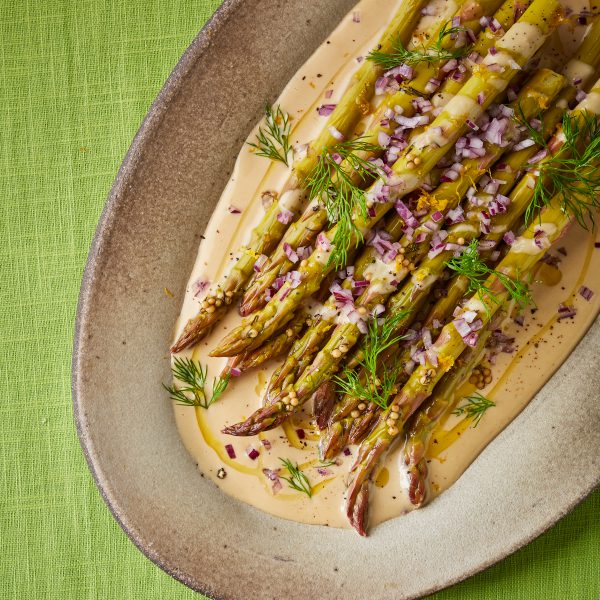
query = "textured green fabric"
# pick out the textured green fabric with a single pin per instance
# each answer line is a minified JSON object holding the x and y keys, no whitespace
{"x":77,"y":77}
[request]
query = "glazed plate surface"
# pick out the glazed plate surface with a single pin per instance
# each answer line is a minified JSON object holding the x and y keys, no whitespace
{"x":147,"y":240}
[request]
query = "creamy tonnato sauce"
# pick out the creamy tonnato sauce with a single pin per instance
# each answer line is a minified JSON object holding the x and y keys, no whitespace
{"x":542,"y":341}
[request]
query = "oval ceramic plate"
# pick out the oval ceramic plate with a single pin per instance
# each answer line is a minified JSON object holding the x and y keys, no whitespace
{"x":146,"y":241}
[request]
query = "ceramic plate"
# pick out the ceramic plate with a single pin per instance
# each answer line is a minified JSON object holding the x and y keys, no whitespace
{"x":147,"y":239}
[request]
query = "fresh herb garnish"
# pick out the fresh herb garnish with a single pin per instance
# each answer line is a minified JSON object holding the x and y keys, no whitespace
{"x":470,"y":265}
{"x":572,"y":173}
{"x":332,"y":181}
{"x":297,"y":480}
{"x":474,"y":408}
{"x":273,"y":141}
{"x":366,"y":384}
{"x":537,"y":134}
{"x":193,"y":376}
{"x":429,"y":54}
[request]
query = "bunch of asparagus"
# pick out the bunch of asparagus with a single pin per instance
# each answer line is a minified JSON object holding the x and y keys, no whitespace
{"x":454,"y":163}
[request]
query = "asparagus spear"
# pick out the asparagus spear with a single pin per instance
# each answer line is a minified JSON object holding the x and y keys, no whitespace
{"x":521,"y":258}
{"x":420,"y":427}
{"x":304,"y":231}
{"x":491,"y":78}
{"x":265,"y":237}
{"x":273,"y":348}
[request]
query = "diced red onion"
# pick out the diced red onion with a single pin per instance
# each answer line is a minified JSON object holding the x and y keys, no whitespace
{"x":300,"y":433}
{"x":266,"y":443}
{"x":361,"y":283}
{"x":580,"y":95}
{"x":405,"y":214}
{"x":252,"y":453}
{"x":471,"y":339}
{"x":326,"y":109}
{"x":432,"y":85}
{"x":230,"y":451}
{"x":323,"y":242}
{"x":260,"y":262}
{"x":289,"y":252}
{"x":335,"y":133}
{"x":427,"y":340}
{"x":509,"y":238}
{"x":384,"y":139}
{"x":449,"y":66}
{"x":462,"y":327}
{"x":526,"y":143}
{"x":378,"y":309}
{"x":294,"y":279}
{"x":480,"y":98}
{"x":381,"y":85}
{"x":233,"y":210}
{"x":538,"y":156}
{"x":347,"y":452}
{"x":235,"y":372}
{"x":494,"y":25}
{"x":566,"y":312}
{"x":356,"y":16}
{"x":199,"y":286}
{"x":586,"y":293}
{"x":270,"y":474}
{"x":328,"y":94}
{"x":285,"y":216}
{"x":412,"y":122}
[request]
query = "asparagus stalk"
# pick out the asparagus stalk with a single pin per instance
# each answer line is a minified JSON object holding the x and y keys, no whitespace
{"x":304,"y":231}
{"x":420,"y":427}
{"x":265,"y":237}
{"x":490,"y":79}
{"x":521,"y":258}
{"x":273,"y":348}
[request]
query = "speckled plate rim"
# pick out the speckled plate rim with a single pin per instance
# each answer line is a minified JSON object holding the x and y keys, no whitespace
{"x":199,"y":46}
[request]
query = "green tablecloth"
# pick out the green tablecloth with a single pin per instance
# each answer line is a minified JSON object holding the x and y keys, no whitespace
{"x":77,"y":78}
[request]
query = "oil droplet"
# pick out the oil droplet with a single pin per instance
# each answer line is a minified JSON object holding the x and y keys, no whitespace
{"x":261,"y":381}
{"x":382,"y":477}
{"x":548,"y":275}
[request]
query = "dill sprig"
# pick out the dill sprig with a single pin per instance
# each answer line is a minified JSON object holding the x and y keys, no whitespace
{"x":429,"y":54}
{"x":297,"y":480}
{"x":273,"y":141}
{"x":470,"y":265}
{"x":193,"y":375}
{"x":475,"y":408}
{"x":537,"y":135}
{"x":572,"y":174}
{"x":371,"y":386}
{"x":332,"y":181}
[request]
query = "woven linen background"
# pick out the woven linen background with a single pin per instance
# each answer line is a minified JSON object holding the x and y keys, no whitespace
{"x":76,"y":79}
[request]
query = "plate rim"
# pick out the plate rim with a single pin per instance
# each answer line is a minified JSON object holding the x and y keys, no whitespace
{"x":199,"y":46}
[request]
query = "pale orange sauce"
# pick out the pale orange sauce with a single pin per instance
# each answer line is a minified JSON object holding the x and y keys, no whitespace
{"x":543,"y":343}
